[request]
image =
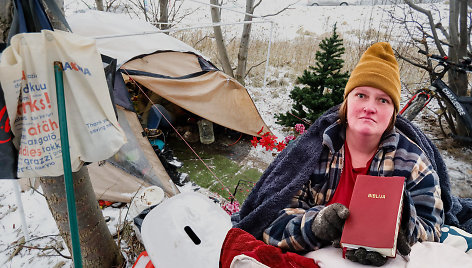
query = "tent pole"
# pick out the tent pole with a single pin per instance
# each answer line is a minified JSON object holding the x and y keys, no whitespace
{"x":70,"y":196}
{"x":268,"y":56}
{"x":16,"y":188}
{"x":230,"y":9}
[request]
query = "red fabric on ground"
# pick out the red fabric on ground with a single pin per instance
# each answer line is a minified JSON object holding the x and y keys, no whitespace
{"x":239,"y":242}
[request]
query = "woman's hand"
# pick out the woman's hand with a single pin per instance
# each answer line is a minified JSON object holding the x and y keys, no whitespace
{"x":362,"y":256}
{"x":328,"y":224}
{"x":403,"y":246}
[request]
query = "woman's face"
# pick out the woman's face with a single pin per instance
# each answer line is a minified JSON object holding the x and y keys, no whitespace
{"x":369,"y":111}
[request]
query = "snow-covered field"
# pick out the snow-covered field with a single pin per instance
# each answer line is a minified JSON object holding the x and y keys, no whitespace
{"x":287,"y":25}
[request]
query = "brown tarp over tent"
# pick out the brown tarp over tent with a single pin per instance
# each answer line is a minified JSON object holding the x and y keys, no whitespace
{"x":205,"y":91}
{"x":114,"y":184}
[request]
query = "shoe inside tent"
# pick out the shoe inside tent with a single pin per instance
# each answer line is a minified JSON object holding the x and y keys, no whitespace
{"x":175,"y":72}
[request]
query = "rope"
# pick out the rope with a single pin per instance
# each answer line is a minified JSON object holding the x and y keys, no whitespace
{"x":230,"y":9}
{"x":236,"y":140}
{"x":301,"y":119}
{"x":196,"y":154}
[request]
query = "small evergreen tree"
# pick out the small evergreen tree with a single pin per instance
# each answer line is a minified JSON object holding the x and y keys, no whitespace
{"x":324,"y":85}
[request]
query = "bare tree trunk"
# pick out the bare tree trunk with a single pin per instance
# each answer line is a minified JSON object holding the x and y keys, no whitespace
{"x":215,"y":17}
{"x":56,"y":23}
{"x":453,"y":29}
{"x":6,"y":14}
{"x":458,"y":39}
{"x":99,"y":4}
{"x":244,"y":45}
{"x":163,"y":14}
{"x":458,"y":49}
{"x":97,"y":244}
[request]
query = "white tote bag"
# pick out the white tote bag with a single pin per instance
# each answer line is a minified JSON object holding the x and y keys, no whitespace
{"x":27,"y":78}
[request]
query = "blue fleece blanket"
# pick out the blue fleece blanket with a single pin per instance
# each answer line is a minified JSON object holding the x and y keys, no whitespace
{"x":293,"y":166}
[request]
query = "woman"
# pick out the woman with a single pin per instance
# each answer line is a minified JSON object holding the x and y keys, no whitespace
{"x":359,"y":139}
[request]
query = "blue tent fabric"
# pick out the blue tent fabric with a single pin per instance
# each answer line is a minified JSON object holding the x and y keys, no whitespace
{"x":110,"y":67}
{"x":29,"y":16}
{"x":41,"y":18}
{"x":156,"y":117}
{"x":121,"y":94}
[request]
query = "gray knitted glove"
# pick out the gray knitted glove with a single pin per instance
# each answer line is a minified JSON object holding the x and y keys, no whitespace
{"x":362,"y":256}
{"x":328,"y":224}
{"x":403,"y":246}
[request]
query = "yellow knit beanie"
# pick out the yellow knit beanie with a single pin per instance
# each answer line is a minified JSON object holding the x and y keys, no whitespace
{"x":377,"y":68}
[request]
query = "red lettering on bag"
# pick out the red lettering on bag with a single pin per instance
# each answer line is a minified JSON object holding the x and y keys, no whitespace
{"x":30,"y":152}
{"x":46,"y":126}
{"x":74,"y":66}
{"x":47,"y":99}
{"x":33,"y":105}
{"x":6,"y":126}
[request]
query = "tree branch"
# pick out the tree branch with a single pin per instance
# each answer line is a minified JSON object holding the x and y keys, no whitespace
{"x":442,"y":29}
{"x":49,"y":248}
{"x":440,"y":41}
{"x":411,"y":61}
{"x":254,"y":66}
{"x":278,"y":12}
{"x":88,"y":6}
{"x":201,"y":39}
{"x":109,"y":4}
{"x":22,"y":241}
{"x":256,"y":5}
{"x":431,"y":23}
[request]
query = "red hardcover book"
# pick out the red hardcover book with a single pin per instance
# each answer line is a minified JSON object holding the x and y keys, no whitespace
{"x":375,"y":214}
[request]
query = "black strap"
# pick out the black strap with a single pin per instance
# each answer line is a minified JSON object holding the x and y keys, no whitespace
{"x":142,"y":73}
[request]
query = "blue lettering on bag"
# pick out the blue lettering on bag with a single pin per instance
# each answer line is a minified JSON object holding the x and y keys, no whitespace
{"x":75,"y":67}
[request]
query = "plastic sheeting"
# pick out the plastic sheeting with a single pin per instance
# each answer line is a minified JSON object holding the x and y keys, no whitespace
{"x":137,"y":156}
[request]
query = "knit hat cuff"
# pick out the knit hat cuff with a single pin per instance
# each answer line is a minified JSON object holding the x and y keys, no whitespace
{"x":376,"y":80}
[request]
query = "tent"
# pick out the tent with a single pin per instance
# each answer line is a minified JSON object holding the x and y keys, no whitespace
{"x":174,"y":71}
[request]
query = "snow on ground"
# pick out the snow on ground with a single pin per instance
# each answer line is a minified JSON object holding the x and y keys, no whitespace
{"x":42,"y":230}
{"x":316,"y":20}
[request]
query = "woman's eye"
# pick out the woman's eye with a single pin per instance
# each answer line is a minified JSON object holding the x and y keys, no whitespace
{"x":360,"y":95}
{"x":384,"y":101}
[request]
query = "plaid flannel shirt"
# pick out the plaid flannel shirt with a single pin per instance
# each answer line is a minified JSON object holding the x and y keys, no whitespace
{"x":396,"y":156}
